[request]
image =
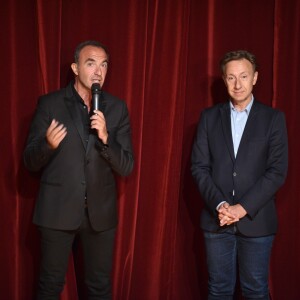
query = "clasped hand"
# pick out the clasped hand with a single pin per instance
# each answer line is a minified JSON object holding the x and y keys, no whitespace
{"x":229,"y":214}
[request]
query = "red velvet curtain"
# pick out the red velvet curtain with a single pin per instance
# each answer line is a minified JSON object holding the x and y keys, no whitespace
{"x":164,"y":63}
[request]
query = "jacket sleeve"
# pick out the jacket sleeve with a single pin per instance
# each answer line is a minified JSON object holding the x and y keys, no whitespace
{"x":37,"y":152}
{"x":201,"y":167}
{"x":118,"y":151}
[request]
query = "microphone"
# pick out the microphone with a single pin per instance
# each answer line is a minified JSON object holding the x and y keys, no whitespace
{"x":96,"y":91}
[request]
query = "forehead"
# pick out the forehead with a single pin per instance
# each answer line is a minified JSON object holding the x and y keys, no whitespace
{"x":92,"y":52}
{"x":238,"y":66}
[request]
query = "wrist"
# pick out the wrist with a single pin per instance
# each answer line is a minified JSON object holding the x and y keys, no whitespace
{"x":104,"y":139}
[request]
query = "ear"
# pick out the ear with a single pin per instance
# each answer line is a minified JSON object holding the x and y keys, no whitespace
{"x":224,"y":79}
{"x":74,"y":68}
{"x":255,"y":77}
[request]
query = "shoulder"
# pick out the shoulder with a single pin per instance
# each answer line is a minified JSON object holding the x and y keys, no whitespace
{"x":216,"y":109}
{"x":266,"y":109}
{"x":109,"y":97}
{"x":113,"y":102}
{"x":53,"y":96}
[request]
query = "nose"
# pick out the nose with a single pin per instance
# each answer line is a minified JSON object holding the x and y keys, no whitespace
{"x":237,"y":83}
{"x":98,"y":70}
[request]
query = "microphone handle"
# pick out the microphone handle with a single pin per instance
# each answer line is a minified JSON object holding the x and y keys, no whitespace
{"x":96,"y":101}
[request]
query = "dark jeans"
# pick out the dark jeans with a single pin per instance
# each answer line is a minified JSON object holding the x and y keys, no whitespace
{"x":56,"y":246}
{"x":227,"y":251}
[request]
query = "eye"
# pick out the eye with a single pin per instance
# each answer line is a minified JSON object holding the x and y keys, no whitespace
{"x":105,"y":64}
{"x":244,"y":77}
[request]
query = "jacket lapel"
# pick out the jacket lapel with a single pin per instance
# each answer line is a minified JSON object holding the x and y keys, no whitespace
{"x":226,"y":125}
{"x":103,"y":103}
{"x":70,"y":102}
{"x":248,"y":130}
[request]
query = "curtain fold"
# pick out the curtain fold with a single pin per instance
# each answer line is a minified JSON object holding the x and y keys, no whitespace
{"x":164,"y":64}
{"x":49,"y":43}
{"x":285,"y":262}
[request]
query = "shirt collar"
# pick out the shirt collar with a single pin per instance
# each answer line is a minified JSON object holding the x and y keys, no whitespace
{"x":77,"y":96}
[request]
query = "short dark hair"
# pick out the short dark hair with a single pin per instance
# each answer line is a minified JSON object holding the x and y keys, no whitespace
{"x":89,"y":43}
{"x":238,"y":55}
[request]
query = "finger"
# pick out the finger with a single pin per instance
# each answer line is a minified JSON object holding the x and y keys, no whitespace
{"x":56,"y":136}
{"x":220,"y":216}
{"x":228,"y":214}
{"x":223,"y":221}
{"x":225,"y":205}
{"x":231,"y":222}
{"x":58,"y":128}
{"x":97,"y":115}
{"x":52,"y":125}
{"x":60,"y":132}
{"x":97,"y":112}
{"x":58,"y":139}
{"x":56,"y":132}
{"x":99,"y":125}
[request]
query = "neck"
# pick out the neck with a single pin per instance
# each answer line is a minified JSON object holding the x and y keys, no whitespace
{"x":84,"y":93}
{"x":239,"y":106}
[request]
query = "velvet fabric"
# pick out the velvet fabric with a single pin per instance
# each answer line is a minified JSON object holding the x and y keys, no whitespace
{"x":164,"y":63}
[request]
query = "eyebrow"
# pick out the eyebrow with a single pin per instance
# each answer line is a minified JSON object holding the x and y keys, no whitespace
{"x":231,"y":74}
{"x":89,"y":59}
{"x":93,"y":60}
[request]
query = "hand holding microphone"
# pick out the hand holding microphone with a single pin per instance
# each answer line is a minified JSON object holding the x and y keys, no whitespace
{"x":97,"y":119}
{"x":96,"y":92}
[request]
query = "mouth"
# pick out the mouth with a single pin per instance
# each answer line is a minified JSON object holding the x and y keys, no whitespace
{"x":238,"y":92}
{"x":96,"y":80}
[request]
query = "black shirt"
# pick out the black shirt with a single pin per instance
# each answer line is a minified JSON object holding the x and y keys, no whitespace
{"x":84,"y":114}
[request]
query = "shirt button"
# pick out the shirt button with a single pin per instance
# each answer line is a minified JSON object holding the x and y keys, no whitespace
{"x":234,"y":174}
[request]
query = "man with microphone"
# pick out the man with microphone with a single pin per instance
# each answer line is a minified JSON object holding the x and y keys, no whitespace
{"x":79,"y":138}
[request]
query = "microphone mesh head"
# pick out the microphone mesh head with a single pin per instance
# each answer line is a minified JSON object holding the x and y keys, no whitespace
{"x":95,"y":88}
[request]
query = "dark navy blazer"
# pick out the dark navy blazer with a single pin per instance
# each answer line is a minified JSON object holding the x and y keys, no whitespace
{"x":255,"y":174}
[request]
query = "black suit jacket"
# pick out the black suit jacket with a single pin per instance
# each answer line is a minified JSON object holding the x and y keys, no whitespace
{"x":256,"y":173}
{"x":76,"y":170}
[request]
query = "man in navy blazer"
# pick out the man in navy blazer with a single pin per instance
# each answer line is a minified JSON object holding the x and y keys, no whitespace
{"x":239,"y":161}
{"x":78,"y":151}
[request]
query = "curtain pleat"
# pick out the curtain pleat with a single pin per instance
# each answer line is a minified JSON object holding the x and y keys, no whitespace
{"x":286,"y":89}
{"x":49,"y":43}
{"x":164,"y":64}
